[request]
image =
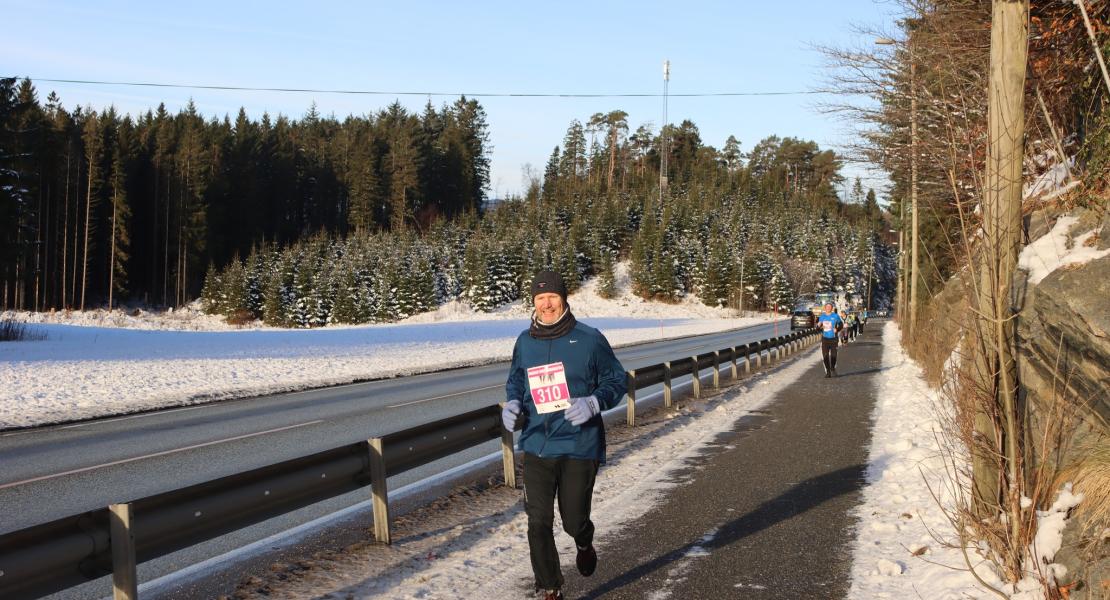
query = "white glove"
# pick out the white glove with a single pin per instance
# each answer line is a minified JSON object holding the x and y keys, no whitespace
{"x":511,"y":417}
{"x":582,"y":409}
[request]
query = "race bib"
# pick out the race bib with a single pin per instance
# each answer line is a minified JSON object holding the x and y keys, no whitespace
{"x":827,"y":325}
{"x":549,"y":388}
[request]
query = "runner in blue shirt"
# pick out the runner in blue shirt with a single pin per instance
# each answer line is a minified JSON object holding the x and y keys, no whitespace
{"x":830,"y":325}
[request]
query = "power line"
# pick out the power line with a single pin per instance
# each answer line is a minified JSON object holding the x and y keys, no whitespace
{"x":388,"y":93}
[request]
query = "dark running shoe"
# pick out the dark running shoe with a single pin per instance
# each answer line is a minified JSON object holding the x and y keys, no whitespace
{"x":586,"y":560}
{"x":834,"y":372}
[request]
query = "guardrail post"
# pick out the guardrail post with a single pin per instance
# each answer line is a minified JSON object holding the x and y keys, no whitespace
{"x":125,"y":578}
{"x":378,"y":489}
{"x":632,"y":398}
{"x":759,"y":355}
{"x":508,"y":458}
{"x":667,"y":384}
{"x":734,"y":371}
{"x":716,"y":369}
{"x":696,"y":378}
{"x":747,"y":360}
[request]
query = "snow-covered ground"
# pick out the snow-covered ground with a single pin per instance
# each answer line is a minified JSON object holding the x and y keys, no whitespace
{"x":96,"y":364}
{"x":895,"y":554}
{"x":905,"y":546}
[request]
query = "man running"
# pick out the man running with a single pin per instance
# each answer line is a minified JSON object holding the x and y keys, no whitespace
{"x":562,"y":376}
{"x":830,"y":324}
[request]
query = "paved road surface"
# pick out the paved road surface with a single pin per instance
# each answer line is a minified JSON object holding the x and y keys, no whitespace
{"x":766,"y":512}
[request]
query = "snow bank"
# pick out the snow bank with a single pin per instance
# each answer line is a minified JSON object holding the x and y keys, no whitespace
{"x":905,"y":546}
{"x":902,"y":544}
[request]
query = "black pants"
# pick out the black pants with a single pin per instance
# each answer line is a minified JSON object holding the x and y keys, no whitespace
{"x":828,"y":352}
{"x":571,"y":480}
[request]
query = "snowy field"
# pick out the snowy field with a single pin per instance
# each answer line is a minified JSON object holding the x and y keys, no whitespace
{"x":97,"y":364}
{"x":905,"y":545}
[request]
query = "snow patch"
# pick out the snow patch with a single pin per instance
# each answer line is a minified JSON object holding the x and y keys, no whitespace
{"x":1057,"y":249}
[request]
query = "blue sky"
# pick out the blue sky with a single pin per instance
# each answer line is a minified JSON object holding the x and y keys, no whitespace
{"x":454,"y":47}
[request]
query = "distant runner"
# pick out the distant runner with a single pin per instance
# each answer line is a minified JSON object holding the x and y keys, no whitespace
{"x":562,"y":376}
{"x":830,"y":325}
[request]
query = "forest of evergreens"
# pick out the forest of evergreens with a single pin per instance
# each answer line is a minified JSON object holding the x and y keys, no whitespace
{"x":96,"y":206}
{"x":373,"y":218}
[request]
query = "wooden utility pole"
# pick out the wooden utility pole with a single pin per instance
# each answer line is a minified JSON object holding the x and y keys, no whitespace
{"x":999,"y":418}
{"x":915,"y":273}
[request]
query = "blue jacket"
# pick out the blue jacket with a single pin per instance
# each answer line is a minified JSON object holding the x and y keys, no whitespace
{"x":591,"y":368}
{"x":829,"y":324}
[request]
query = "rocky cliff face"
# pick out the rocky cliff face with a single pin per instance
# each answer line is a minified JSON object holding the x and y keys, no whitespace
{"x":1064,"y":349}
{"x":1064,"y":335}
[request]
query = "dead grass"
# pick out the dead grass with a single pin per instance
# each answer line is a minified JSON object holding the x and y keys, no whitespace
{"x":1091,"y":476}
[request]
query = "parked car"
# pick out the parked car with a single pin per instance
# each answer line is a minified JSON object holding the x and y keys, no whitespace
{"x":802,"y":319}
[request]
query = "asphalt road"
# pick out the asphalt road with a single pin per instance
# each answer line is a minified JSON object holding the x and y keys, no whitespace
{"x":766,"y":512}
{"x":50,"y":472}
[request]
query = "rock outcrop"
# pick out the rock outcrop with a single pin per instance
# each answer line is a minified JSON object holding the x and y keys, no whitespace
{"x":1064,"y":352}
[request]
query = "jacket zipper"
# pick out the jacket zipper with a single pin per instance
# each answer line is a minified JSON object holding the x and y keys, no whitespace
{"x":547,"y":418}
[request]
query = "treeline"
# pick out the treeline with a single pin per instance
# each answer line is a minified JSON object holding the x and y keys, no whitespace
{"x":96,"y":207}
{"x":738,"y":234}
{"x":601,"y":157}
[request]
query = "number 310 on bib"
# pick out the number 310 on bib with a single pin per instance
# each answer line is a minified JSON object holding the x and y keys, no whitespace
{"x":549,"y":387}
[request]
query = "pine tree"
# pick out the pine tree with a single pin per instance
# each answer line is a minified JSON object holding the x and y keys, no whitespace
{"x":572,"y":165}
{"x":120,"y":225}
{"x":233,"y":291}
{"x":211,"y":292}
{"x":607,"y":277}
{"x":718,"y":274}
{"x":551,"y":176}
{"x":403,"y":163}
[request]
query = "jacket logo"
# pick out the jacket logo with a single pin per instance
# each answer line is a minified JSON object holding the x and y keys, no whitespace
{"x":574,"y":341}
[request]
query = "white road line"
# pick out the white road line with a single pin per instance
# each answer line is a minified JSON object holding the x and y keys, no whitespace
{"x":157,"y":454}
{"x":411,"y":402}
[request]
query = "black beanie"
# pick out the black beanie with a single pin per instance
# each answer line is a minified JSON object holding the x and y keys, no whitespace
{"x":549,"y":282}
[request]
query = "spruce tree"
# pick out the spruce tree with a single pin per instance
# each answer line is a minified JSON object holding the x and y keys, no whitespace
{"x":607,"y":276}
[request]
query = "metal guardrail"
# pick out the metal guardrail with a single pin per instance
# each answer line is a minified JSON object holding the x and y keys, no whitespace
{"x":53,"y":556}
